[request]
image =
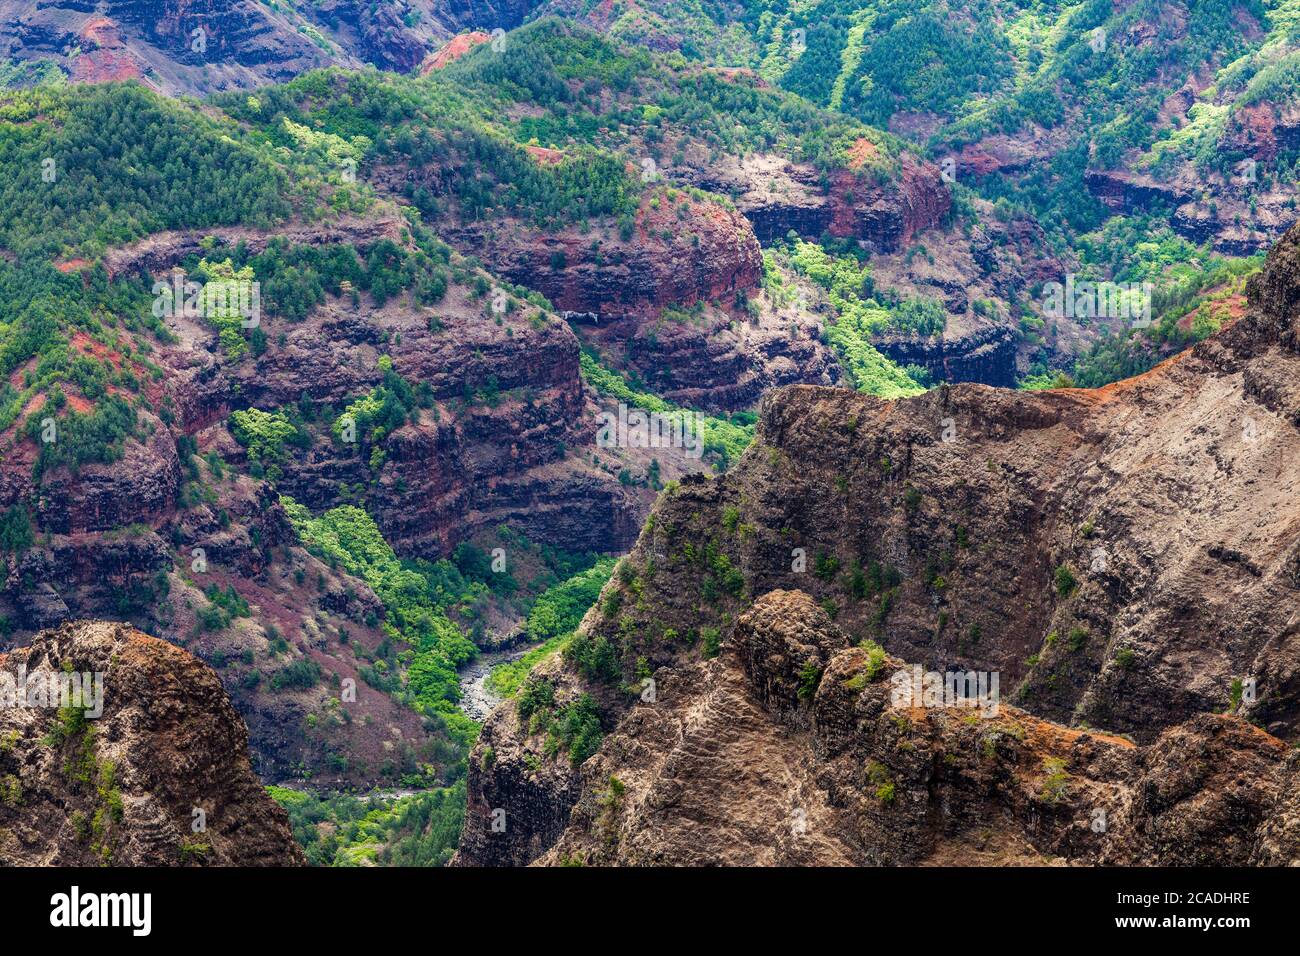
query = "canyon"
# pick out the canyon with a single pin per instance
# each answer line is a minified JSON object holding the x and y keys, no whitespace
{"x":477,"y":228}
{"x":1065,"y":540}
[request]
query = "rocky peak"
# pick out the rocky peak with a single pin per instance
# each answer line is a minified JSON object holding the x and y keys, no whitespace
{"x":129,"y":786}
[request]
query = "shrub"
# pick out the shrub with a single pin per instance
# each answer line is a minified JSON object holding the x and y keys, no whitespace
{"x":809,"y":677}
{"x":300,"y":674}
{"x":576,"y":728}
{"x":710,"y":641}
{"x":595,"y":657}
{"x":1066,"y":583}
{"x":537,"y":695}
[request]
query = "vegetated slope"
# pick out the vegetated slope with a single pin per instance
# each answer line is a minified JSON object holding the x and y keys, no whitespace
{"x":1062,"y":106}
{"x":1124,"y":559}
{"x":160,"y":778}
{"x":1051,"y":117}
{"x":188,"y":47}
{"x":1172,"y":119}
{"x":144,"y":449}
{"x":630,"y":190}
{"x":606,"y":213}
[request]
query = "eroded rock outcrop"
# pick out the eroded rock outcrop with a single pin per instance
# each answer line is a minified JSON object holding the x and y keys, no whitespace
{"x":127,"y":787}
{"x":1124,"y":558}
{"x":681,"y":251}
{"x":794,"y":748}
{"x":778,"y":196}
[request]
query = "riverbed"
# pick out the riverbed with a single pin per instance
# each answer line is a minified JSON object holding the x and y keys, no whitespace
{"x":476,"y":700}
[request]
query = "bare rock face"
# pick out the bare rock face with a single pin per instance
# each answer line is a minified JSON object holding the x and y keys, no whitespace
{"x":782,"y":642}
{"x":986,"y":355}
{"x":706,"y":252}
{"x":127,"y":787}
{"x":1123,"y":558}
{"x":734,"y":763}
{"x":778,"y":196}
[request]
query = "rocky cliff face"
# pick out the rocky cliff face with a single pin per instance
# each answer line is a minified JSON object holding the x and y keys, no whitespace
{"x":743,"y":761}
{"x":1122,"y":558}
{"x":668,"y":296}
{"x":904,"y":221}
{"x":986,"y":355}
{"x":681,"y":251}
{"x":778,"y":196}
{"x":119,"y":539}
{"x":160,"y":778}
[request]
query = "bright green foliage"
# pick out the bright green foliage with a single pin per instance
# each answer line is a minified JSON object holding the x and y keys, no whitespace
{"x":851,"y":290}
{"x":264,"y":435}
{"x":417,"y":830}
{"x":349,"y":536}
{"x":860,"y":317}
{"x":387,"y":407}
{"x":724,"y":440}
{"x":870,"y":371}
{"x":219,"y":303}
{"x":1204,"y":296}
{"x":1045,"y":380}
{"x":554,"y":616}
{"x":560,"y":609}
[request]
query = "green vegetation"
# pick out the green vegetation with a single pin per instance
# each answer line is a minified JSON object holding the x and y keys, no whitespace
{"x":810,"y":676}
{"x":435,"y":645}
{"x":573,"y":728}
{"x":851,"y":289}
{"x":89,"y":166}
{"x":342,"y":830}
{"x":73,"y":735}
{"x":1066,"y":582}
{"x":554,"y":616}
{"x":1186,"y":313}
{"x":1056,"y":780}
{"x":368,"y":117}
{"x":860,"y":314}
{"x":724,"y":440}
{"x":878,"y":777}
{"x":872,"y":670}
{"x":15,"y":531}
{"x":264,"y":434}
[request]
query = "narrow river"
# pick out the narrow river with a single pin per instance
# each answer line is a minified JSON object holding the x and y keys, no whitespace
{"x":476,"y":700}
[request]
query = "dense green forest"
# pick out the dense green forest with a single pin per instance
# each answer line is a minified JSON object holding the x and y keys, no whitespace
{"x":87,"y":167}
{"x":344,"y":830}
